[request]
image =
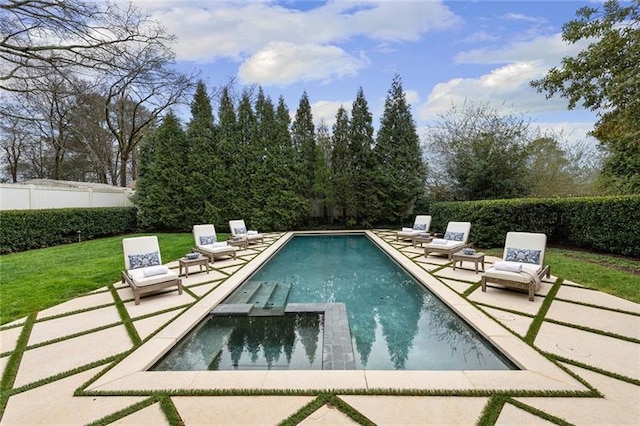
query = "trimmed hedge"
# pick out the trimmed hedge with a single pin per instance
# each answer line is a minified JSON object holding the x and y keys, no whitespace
{"x":606,"y":224}
{"x":22,"y":230}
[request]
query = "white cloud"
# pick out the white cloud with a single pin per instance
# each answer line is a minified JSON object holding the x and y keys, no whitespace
{"x":548,"y":49}
{"x":281,"y":63}
{"x":326,"y":110}
{"x":506,"y":88}
{"x":210,"y":30}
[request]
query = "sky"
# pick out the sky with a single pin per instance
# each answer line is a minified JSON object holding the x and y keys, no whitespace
{"x":446,"y":53}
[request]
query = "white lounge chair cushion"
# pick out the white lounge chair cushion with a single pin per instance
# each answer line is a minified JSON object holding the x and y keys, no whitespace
{"x":152,"y":271}
{"x":515,"y":276}
{"x":250,"y":232}
{"x":139,"y":279}
{"x":404,"y":229}
{"x":216,"y":248}
{"x":442,"y":243}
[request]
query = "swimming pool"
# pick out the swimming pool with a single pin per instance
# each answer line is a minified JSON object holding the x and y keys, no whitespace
{"x":395,"y":323}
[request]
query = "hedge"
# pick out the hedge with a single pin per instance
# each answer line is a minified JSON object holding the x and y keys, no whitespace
{"x":22,"y":230}
{"x":606,"y":224}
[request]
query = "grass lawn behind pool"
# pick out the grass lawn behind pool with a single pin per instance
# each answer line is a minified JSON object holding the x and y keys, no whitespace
{"x":37,"y":279}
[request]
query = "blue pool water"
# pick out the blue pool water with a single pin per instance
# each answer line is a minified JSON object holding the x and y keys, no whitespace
{"x":395,"y":322}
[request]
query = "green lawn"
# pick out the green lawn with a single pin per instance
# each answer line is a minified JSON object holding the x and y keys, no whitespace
{"x":35,"y":280}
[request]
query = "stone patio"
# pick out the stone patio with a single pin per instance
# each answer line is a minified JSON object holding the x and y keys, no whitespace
{"x":82,"y":347}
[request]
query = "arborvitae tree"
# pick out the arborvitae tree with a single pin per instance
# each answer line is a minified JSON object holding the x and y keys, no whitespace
{"x":322,"y":187}
{"x":288,"y":205}
{"x":264,"y":173}
{"x":401,"y":170}
{"x":304,"y":143}
{"x":204,"y":164}
{"x":227,"y":132}
{"x":161,"y":196}
{"x":340,"y":162}
{"x":245,"y":158}
{"x":363,"y":200}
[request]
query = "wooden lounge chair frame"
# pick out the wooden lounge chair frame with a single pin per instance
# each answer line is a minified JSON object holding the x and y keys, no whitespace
{"x":524,"y":240}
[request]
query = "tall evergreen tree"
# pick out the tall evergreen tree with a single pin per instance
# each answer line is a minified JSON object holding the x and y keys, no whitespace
{"x":340,"y":162}
{"x":245,"y":158}
{"x":322,"y":187}
{"x":401,"y":170}
{"x":227,"y":132}
{"x":363,"y":200}
{"x":304,"y":143}
{"x":160,"y":194}
{"x":204,"y":164}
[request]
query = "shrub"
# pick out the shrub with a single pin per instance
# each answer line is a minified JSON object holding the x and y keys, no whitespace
{"x":608,"y":224}
{"x":30,"y":229}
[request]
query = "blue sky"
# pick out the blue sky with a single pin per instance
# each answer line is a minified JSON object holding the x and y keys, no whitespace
{"x":445,"y":52}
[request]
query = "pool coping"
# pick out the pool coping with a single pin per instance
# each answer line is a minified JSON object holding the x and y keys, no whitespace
{"x":537,"y":372}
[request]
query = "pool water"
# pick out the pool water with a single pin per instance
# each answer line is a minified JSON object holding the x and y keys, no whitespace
{"x":395,"y":322}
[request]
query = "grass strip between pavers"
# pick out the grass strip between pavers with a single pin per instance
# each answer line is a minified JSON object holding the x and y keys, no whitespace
{"x":124,"y":314}
{"x":598,"y":370}
{"x":539,"y":413}
{"x":536,"y":324}
{"x":314,"y":392}
{"x":11,"y":369}
{"x":326,"y":398}
{"x":169,"y":409}
{"x":124,"y":412}
{"x":492,"y":409}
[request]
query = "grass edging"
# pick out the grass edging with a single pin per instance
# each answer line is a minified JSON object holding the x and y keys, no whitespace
{"x":536,"y":324}
{"x":13,"y":364}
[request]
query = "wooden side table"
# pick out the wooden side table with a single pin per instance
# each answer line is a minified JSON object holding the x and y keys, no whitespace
{"x":241,"y":243}
{"x":476,"y":258}
{"x":185,"y":263}
{"x":418,"y":239}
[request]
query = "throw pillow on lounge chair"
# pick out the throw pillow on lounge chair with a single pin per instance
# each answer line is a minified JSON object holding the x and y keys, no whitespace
{"x":522,"y":267}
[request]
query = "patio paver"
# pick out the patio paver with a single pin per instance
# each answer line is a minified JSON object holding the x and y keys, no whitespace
{"x":54,"y":402}
{"x":417,"y":410}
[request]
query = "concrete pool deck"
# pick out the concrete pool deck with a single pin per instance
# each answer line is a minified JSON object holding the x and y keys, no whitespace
{"x":72,"y":349}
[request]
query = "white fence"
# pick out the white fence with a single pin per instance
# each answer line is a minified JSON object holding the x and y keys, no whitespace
{"x":28,"y":197}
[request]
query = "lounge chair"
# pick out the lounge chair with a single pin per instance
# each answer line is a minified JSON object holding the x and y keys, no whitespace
{"x":208,"y":245}
{"x":144,"y":271}
{"x":239,"y":230}
{"x":421,"y":225}
{"x":455,"y":239}
{"x":522,"y":266}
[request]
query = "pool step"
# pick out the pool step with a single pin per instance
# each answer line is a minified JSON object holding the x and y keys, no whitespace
{"x":246,"y":293}
{"x":261,"y":297}
{"x":275,"y":303}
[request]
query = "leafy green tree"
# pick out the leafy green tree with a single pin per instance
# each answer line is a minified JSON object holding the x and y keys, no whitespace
{"x":363,"y":200}
{"x":401,"y":171}
{"x":245,"y":158}
{"x":160,"y":193}
{"x":340,"y":162}
{"x":481,"y":153}
{"x":605,"y":77}
{"x":560,"y":172}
